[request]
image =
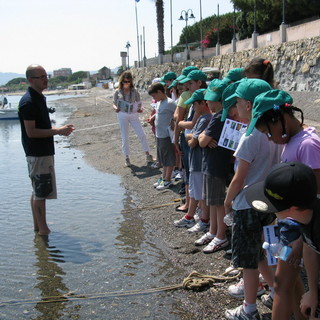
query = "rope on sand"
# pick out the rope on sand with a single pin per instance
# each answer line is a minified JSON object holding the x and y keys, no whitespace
{"x":97,"y":127}
{"x":194,"y":281}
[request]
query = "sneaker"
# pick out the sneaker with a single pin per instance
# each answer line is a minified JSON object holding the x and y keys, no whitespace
{"x":184,"y":223}
{"x":231,"y":271}
{"x":206,"y":238}
{"x":229,"y":251}
{"x":182,"y":190}
{"x":267,"y":300}
{"x":164,"y":185}
{"x":239,"y":314}
{"x":200,"y":226}
{"x":149,"y":158}
{"x":158,"y":182}
{"x":128,"y":163}
{"x":237,"y":290}
{"x":155,"y":165}
{"x":215,"y":245}
{"x":178,"y":176}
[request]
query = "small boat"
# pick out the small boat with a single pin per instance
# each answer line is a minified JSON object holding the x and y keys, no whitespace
{"x":9,"y":114}
{"x":6,"y":112}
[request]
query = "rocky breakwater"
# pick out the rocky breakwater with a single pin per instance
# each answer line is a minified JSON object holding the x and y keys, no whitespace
{"x":296,"y":64}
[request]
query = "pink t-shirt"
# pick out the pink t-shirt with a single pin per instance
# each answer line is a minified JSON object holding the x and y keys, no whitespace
{"x":304,"y":147}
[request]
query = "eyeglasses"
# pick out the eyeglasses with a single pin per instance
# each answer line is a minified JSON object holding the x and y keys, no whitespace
{"x":40,"y":77}
{"x":126,"y":81}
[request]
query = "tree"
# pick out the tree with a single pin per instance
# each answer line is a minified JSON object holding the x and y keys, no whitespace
{"x":160,"y":25}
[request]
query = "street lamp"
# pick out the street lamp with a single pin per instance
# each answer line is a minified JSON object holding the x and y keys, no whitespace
{"x":128,"y":45}
{"x":187,"y":15}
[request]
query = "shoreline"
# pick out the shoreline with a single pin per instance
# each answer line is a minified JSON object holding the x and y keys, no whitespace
{"x":98,"y":137}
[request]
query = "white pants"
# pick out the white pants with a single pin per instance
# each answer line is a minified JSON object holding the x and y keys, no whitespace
{"x":125,"y":119}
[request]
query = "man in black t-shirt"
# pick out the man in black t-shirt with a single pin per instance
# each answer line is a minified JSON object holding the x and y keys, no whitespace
{"x":37,"y":140}
{"x":290,"y":191}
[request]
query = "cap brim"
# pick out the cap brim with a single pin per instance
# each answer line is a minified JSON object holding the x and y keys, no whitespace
{"x":181,"y":77}
{"x":185,"y":80}
{"x":251,"y":126}
{"x":189,"y":101}
{"x":224,"y":114}
{"x":233,"y":96}
{"x":257,"y":200}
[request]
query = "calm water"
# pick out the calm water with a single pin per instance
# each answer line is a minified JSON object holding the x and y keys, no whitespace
{"x":94,"y":249}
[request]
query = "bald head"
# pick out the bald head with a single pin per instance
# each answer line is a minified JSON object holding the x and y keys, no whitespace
{"x":33,"y":69}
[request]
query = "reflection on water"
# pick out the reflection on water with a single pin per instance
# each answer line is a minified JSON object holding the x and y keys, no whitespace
{"x":94,"y":248}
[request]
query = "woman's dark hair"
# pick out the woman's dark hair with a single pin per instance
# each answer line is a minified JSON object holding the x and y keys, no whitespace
{"x":263,"y":68}
{"x":125,"y":75}
{"x":277,"y":114}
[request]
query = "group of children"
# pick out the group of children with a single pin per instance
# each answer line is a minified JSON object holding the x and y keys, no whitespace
{"x":196,"y":112}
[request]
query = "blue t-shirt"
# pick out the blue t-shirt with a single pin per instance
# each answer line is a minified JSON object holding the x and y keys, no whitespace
{"x":33,"y":106}
{"x":195,"y":154}
{"x":164,"y":114}
{"x":216,"y":161}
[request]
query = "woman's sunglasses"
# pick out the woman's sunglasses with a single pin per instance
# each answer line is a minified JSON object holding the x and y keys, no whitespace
{"x":126,"y":81}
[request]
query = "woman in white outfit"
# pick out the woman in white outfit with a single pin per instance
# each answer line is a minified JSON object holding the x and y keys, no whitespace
{"x":126,"y":102}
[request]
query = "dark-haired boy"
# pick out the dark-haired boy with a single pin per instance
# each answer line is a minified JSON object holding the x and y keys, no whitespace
{"x":165,"y":148}
{"x":290,"y":190}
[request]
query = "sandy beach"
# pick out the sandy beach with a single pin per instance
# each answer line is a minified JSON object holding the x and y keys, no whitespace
{"x":97,"y":135}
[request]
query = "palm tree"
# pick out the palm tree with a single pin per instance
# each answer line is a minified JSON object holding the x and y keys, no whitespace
{"x":160,"y":25}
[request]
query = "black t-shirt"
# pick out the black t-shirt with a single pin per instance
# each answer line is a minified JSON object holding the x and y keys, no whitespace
{"x":33,"y":106}
{"x":216,"y":161}
{"x":311,"y":231}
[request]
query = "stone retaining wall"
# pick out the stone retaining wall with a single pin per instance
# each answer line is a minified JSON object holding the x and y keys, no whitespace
{"x":296,"y":65}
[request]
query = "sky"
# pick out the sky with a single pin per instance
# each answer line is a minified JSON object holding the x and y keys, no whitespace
{"x":86,"y":35}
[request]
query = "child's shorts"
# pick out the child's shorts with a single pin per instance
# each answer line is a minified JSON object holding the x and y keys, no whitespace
{"x":247,"y":229}
{"x":166,"y":153}
{"x":195,"y":185}
{"x":214,"y":190}
{"x":42,"y":175}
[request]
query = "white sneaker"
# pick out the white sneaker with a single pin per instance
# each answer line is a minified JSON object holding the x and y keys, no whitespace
{"x":206,"y":238}
{"x":164,"y":185}
{"x":237,"y":290}
{"x":239,"y":314}
{"x":184,"y":223}
{"x":215,"y":245}
{"x":158,"y":182}
{"x":200,"y":227}
{"x":178,"y":176}
{"x":231,"y":271}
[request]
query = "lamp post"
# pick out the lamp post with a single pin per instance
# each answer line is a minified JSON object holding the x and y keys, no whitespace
{"x":187,"y":15}
{"x":255,"y":34}
{"x":201,"y":34}
{"x":283,"y":26}
{"x":128,"y":45}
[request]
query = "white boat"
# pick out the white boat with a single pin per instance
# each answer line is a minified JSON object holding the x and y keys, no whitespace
{"x":9,"y":114}
{"x":6,"y":111}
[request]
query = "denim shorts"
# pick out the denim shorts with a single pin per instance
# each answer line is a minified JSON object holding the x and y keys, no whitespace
{"x":247,"y":230}
{"x":42,"y":175}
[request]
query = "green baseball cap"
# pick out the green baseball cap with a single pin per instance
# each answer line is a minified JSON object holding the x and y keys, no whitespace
{"x":228,"y":92}
{"x":195,"y":75}
{"x":173,"y":84}
{"x":215,"y":90}
{"x":185,"y":72}
{"x":169,"y":76}
{"x":234,"y":75}
{"x":266,"y":101}
{"x":198,"y":95}
{"x":248,"y":89}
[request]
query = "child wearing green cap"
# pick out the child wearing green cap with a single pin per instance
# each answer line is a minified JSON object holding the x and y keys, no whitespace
{"x":215,"y":169}
{"x":255,"y":155}
{"x":195,"y":164}
{"x":274,"y":115}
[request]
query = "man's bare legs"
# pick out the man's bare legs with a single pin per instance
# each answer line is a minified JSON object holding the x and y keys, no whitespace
{"x":38,"y":208}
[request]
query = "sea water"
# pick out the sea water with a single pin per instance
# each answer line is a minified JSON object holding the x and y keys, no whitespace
{"x":93,"y":250}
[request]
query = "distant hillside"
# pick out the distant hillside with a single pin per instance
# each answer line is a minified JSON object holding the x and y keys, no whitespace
{"x":5,"y":77}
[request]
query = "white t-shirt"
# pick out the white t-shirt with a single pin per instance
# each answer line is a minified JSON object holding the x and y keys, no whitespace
{"x":262,"y":154}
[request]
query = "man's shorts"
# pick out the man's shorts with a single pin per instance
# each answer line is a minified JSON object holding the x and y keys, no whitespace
{"x":214,"y":190}
{"x":166,"y":153}
{"x":195,"y":185}
{"x":42,"y":175}
{"x":246,"y":243}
